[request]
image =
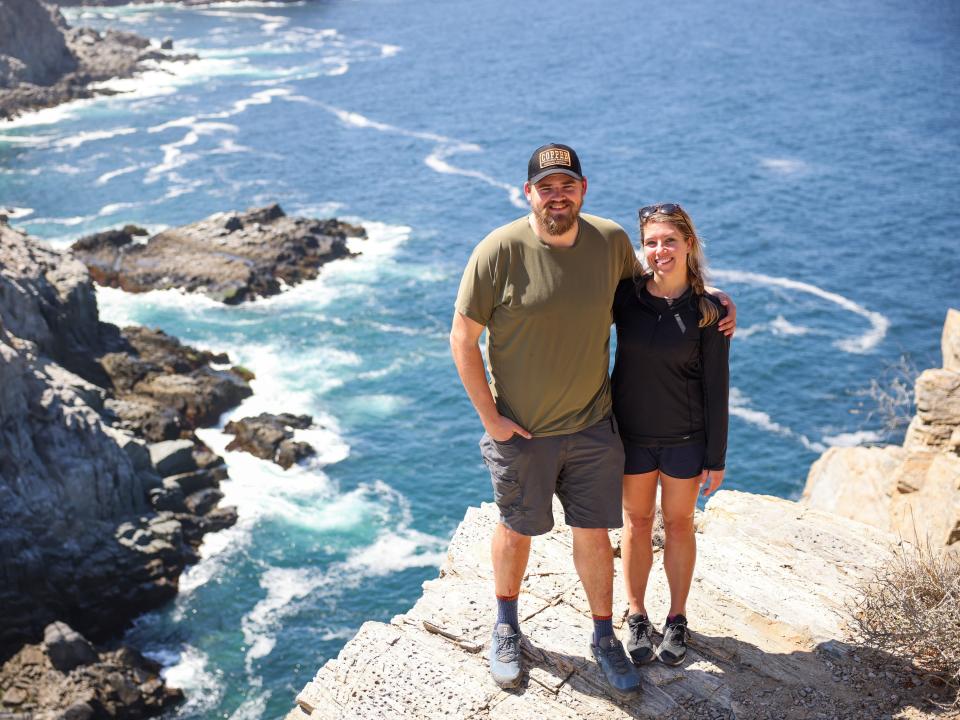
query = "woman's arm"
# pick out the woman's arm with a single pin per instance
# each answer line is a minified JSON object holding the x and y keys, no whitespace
{"x":715,"y":364}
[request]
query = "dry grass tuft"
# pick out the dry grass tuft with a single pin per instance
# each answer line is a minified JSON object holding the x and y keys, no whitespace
{"x":888,"y":400}
{"x":911,"y":611}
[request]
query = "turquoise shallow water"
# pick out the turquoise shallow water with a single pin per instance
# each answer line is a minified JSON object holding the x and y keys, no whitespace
{"x":816,"y":148}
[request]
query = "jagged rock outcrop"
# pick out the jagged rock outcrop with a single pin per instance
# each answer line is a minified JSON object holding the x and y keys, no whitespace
{"x":88,"y":531}
{"x":44,"y":62}
{"x":66,"y":677}
{"x":768,"y":614}
{"x":911,"y":490}
{"x":163,"y":388}
{"x":271,"y":437}
{"x":230,"y":257}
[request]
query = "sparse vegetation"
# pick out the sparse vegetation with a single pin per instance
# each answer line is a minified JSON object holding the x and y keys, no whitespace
{"x":911,"y":611}
{"x":889,"y":398}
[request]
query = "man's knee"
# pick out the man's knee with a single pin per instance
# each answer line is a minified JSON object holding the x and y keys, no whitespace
{"x":510,"y":539}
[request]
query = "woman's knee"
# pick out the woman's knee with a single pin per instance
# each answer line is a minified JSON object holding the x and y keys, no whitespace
{"x":638,"y":520}
{"x":678,"y":525}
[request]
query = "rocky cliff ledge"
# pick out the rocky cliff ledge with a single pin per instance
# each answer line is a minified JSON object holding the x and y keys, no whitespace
{"x":45,"y":62}
{"x":768,"y":609}
{"x":913,"y":489}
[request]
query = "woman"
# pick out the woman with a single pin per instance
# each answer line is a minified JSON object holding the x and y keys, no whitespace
{"x":670,"y":383}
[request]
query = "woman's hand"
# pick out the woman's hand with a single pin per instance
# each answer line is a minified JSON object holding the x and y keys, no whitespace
{"x":710,"y":480}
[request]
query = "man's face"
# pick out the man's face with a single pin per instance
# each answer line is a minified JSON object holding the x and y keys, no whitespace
{"x":556,"y":201}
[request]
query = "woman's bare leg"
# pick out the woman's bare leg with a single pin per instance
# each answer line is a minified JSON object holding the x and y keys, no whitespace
{"x":639,"y":510}
{"x":678,"y":501}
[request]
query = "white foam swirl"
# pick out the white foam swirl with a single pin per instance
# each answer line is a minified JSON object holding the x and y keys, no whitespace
{"x":879,"y":324}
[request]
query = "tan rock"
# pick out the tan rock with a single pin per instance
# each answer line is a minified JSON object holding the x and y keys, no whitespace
{"x":768,"y":611}
{"x":938,"y":410}
{"x":931,"y":514}
{"x":950,"y":341}
{"x":856,"y":483}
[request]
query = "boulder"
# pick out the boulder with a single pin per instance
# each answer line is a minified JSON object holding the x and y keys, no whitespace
{"x":67,"y":648}
{"x":270,"y":437}
{"x":230,"y":257}
{"x":172,"y":457}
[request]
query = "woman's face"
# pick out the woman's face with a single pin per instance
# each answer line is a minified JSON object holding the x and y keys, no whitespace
{"x":665,"y":250}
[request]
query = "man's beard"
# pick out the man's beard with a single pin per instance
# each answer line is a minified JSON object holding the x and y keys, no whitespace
{"x":558,"y":225}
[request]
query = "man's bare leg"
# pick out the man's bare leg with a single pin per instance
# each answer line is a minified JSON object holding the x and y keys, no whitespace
{"x":510,"y":551}
{"x":593,"y":558}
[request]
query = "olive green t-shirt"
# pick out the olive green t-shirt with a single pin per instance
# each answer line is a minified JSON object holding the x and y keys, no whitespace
{"x":547,"y":311}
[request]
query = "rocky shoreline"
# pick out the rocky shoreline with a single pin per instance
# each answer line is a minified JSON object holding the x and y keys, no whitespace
{"x":229,"y":257}
{"x":105,"y":490}
{"x":44,"y":62}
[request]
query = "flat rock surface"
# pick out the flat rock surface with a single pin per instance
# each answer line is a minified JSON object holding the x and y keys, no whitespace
{"x":768,"y":615}
{"x":230,"y":257}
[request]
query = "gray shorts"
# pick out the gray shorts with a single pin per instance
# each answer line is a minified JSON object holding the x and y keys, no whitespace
{"x":584,"y":469}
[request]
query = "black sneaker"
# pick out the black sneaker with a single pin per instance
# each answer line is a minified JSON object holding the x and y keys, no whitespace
{"x":673,"y":648}
{"x":640,"y":640}
{"x":622,"y":677}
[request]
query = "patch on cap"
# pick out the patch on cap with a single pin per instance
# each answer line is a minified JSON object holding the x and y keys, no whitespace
{"x":554,"y":156}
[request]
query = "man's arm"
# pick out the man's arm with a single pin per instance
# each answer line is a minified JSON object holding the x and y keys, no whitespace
{"x":464,"y":336}
{"x":728,"y":324}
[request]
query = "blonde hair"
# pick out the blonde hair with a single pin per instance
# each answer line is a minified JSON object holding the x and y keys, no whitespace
{"x":696,"y":260}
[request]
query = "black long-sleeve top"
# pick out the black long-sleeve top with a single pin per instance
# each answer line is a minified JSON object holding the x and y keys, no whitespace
{"x":670,"y":377}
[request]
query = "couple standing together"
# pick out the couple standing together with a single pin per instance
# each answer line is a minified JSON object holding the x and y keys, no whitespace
{"x":543,"y":287}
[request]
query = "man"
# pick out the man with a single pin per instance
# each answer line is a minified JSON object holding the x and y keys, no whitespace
{"x":542,"y":286}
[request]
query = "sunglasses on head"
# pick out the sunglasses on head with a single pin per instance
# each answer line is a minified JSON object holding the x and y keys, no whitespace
{"x":662,"y":208}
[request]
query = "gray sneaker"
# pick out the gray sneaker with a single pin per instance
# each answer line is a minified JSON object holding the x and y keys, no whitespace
{"x":640,"y":642}
{"x":622,"y":677}
{"x":505,"y":655}
{"x":673,"y":648}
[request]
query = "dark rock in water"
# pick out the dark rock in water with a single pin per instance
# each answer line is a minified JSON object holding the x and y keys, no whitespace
{"x":203,"y":501}
{"x":44,"y":62}
{"x":118,"y":683}
{"x":164,"y":388}
{"x":230,"y":257}
{"x":67,"y":648}
{"x":271,"y":437}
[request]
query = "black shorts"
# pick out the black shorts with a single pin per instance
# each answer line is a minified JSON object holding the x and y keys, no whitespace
{"x":584,"y":469}
{"x":679,"y":461}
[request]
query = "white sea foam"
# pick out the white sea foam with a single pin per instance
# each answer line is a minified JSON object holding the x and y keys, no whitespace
{"x":72,"y":142}
{"x":108,"y":176}
{"x":394,"y":551}
{"x":204,"y":690}
{"x":784,"y":166}
{"x":740,"y":407}
{"x":778,"y":326}
{"x":859,"y":344}
{"x":14,"y":213}
{"x":436,"y":160}
{"x":852,"y":439}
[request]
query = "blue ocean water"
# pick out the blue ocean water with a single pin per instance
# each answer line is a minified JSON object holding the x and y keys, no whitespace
{"x":816,"y":147}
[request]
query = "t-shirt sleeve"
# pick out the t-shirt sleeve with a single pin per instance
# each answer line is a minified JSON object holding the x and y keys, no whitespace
{"x":621,"y":296}
{"x":630,"y":257}
{"x":476,"y":297}
{"x":715,"y":356}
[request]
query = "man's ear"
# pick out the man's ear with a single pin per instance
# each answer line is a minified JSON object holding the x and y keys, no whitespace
{"x":584,"y":181}
{"x":526,"y":189}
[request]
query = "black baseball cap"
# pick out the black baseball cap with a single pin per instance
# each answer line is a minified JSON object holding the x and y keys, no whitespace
{"x":553,"y":158}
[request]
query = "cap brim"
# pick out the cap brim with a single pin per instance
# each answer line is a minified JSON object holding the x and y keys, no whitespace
{"x":553,"y":171}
